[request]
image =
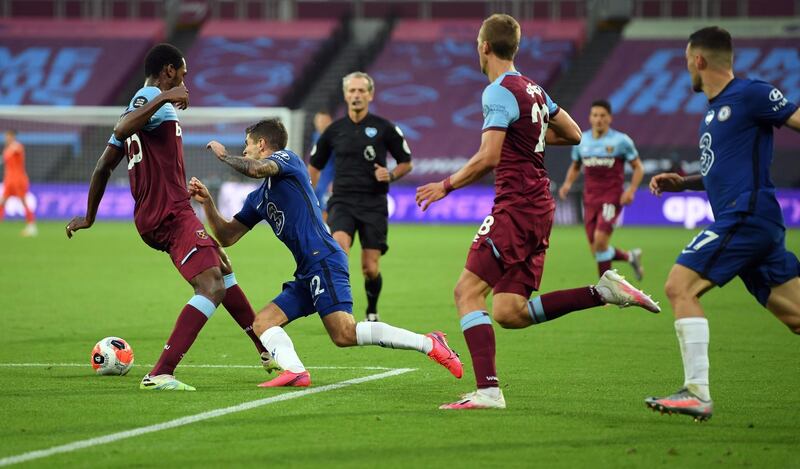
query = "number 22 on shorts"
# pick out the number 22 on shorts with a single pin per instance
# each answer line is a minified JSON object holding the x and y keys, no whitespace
{"x":315,"y":286}
{"x":484,"y":229}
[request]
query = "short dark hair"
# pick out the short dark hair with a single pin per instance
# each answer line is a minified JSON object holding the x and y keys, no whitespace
{"x":601,"y":103}
{"x":712,"y":38}
{"x":12,"y":132}
{"x":502,"y":32}
{"x":271,"y":130}
{"x":160,"y":56}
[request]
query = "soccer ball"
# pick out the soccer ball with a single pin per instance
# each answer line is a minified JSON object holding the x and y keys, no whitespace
{"x":112,"y":356}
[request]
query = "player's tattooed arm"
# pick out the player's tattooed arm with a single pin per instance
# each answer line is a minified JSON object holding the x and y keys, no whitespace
{"x":250,"y":167}
{"x":258,"y":169}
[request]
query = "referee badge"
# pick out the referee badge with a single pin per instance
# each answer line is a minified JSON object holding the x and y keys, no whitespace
{"x":371,"y":132}
{"x":724,"y":113}
{"x":369,"y":153}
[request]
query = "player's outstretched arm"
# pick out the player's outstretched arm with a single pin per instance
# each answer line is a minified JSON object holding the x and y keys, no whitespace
{"x":250,"y":167}
{"x":793,"y":122}
{"x":97,"y":187}
{"x":673,"y":182}
{"x":562,"y":130}
{"x":572,"y":174}
{"x":135,"y":120}
{"x":481,"y":163}
{"x":226,"y":232}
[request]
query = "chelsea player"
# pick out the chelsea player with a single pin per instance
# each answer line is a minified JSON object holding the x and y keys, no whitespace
{"x":748,"y":236}
{"x":286,"y":201}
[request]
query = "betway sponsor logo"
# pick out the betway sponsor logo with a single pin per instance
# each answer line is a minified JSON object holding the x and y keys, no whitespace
{"x":596,"y":161}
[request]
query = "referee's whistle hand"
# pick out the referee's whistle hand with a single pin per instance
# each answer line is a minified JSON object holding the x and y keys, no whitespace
{"x":381,"y":173}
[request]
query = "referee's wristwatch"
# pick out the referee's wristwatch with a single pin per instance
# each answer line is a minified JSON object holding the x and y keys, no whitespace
{"x":392,"y":177}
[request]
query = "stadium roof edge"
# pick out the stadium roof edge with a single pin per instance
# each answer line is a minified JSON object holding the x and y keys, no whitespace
{"x":740,"y":28}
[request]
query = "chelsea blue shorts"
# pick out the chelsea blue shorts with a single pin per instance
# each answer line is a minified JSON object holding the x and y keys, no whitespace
{"x":323,"y":288}
{"x":749,"y":246}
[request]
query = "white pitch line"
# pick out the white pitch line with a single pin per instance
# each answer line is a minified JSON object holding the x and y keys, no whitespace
{"x":57,"y":365}
{"x":179,"y":422}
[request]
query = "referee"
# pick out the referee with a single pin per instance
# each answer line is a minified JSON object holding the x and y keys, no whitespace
{"x":360,"y":141}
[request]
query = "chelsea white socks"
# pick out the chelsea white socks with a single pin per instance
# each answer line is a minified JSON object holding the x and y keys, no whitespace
{"x":280,"y":346}
{"x":693,"y":336}
{"x":379,"y":333}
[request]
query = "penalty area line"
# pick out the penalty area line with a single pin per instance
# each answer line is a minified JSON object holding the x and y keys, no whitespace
{"x":179,"y":422}
{"x":66,"y":365}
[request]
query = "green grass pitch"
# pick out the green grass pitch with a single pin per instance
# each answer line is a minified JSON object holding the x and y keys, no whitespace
{"x":574,"y":387}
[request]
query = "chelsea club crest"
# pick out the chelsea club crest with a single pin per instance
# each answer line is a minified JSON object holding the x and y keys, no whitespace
{"x":371,"y":132}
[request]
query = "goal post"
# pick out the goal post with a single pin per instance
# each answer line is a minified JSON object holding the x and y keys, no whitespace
{"x":62,"y":145}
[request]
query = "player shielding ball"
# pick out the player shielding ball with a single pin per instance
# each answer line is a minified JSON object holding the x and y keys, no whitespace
{"x":321,"y":282}
{"x":150,"y":135}
{"x":602,"y":153}
{"x":748,"y":235}
{"x":507,"y":253}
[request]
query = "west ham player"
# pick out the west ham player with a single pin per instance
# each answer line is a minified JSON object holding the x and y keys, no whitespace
{"x":507,"y":253}
{"x":747,"y":237}
{"x":603,"y":153}
{"x":361,"y":141}
{"x":321,"y":282}
{"x":15,"y":180}
{"x":163,"y":215}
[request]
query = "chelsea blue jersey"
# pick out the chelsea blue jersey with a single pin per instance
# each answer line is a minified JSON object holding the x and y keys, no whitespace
{"x":736,"y":139}
{"x":287,"y":202}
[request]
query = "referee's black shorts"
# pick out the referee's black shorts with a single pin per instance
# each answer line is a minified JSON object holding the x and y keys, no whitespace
{"x":366,"y":214}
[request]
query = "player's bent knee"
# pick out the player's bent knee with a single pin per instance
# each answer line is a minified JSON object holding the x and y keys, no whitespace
{"x":674,"y":290}
{"x":508,"y":319}
{"x":344,"y":337}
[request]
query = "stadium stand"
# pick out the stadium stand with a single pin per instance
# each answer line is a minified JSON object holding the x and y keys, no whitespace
{"x":645,"y":79}
{"x":253,"y":63}
{"x":67,"y":63}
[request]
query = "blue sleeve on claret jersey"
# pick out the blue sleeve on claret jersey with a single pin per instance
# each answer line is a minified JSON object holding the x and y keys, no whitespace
{"x":627,"y":148}
{"x":552,"y":107}
{"x":500,"y":107}
{"x":164,"y":113}
{"x":767,"y":104}
{"x":576,"y":153}
{"x":114,"y":142}
{"x":248,"y":215}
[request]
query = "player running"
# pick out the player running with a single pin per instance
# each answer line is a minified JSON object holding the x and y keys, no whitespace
{"x":748,"y":235}
{"x":163,"y":215}
{"x":603,"y":152}
{"x":507,"y":253}
{"x":321,"y":282}
{"x":15,"y":181}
